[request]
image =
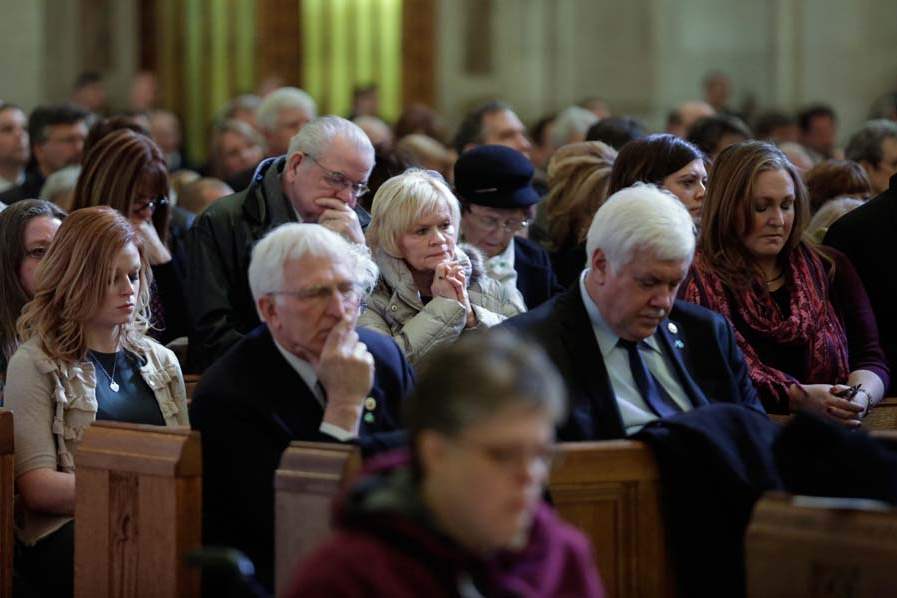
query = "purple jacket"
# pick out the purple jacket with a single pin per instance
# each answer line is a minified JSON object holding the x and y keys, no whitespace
{"x":395,"y":551}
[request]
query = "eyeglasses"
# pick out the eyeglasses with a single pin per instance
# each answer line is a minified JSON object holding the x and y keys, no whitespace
{"x":319,"y":296}
{"x":511,"y":458}
{"x":491,"y":224}
{"x":338,"y":180}
{"x":37,"y":253}
{"x":150,"y":205}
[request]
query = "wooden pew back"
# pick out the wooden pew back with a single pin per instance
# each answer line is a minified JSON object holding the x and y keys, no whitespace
{"x":310,"y":476}
{"x":611,"y":491}
{"x":7,"y":493}
{"x":883,"y":416}
{"x":138,"y":510}
{"x":803,"y":547}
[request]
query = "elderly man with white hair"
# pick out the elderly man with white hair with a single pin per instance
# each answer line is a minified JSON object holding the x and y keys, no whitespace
{"x":305,"y":374}
{"x":628,"y":350}
{"x":318,"y":181}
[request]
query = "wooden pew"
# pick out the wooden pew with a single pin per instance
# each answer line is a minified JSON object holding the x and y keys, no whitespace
{"x":138,"y":509}
{"x":611,"y":491}
{"x":883,"y":416}
{"x":803,"y":547}
{"x":310,"y":476}
{"x":7,"y":493}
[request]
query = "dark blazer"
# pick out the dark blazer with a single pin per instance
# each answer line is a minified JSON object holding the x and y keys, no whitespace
{"x":535,"y":277}
{"x":707,"y":360}
{"x":248,"y":407}
{"x":866,"y":236}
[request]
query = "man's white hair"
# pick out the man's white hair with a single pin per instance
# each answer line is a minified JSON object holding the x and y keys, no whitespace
{"x":641,"y":217}
{"x":318,"y":134}
{"x":293,"y":241}
{"x":279,"y":99}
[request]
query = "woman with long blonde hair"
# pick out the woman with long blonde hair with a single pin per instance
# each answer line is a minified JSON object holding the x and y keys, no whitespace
{"x":84,"y":356}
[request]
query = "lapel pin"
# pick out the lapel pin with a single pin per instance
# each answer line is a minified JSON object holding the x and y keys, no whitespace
{"x":679,"y":344}
{"x":368,"y":418}
{"x":672,"y":328}
{"x":370,"y":403}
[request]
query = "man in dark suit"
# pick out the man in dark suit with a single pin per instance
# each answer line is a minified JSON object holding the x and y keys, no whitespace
{"x":304,"y":374}
{"x":866,"y":236}
{"x":629,"y":352}
{"x":495,"y":186}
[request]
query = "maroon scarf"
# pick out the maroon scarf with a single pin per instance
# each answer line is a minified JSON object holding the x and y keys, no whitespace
{"x":812,"y":322}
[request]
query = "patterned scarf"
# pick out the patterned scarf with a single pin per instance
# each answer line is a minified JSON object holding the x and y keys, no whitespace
{"x":811,"y":323}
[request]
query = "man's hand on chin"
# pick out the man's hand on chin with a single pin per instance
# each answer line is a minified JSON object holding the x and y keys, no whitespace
{"x":346,"y":371}
{"x":340,"y":218}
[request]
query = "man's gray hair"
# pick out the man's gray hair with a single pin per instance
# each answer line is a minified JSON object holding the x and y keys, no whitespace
{"x":572,"y":121}
{"x":865,"y":144}
{"x":317,"y":135}
{"x":293,"y":241}
{"x":641,"y":217}
{"x":279,"y":99}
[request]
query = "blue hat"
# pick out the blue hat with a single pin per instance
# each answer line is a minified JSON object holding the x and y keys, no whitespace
{"x":495,"y":176}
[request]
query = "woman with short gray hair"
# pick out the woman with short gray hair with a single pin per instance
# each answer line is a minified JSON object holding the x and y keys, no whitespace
{"x":431,"y":291}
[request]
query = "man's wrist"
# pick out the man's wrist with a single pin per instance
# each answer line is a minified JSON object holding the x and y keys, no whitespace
{"x":345,"y":417}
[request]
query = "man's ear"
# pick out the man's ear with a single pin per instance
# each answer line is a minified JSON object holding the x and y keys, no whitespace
{"x":293,"y":162}
{"x":599,"y":265}
{"x":267,"y":310}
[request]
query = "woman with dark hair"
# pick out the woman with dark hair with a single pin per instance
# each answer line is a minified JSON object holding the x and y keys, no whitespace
{"x":84,"y":356}
{"x":713,"y":134}
{"x":127,"y":171}
{"x":666,"y":161}
{"x":800,"y":313}
{"x":832,"y":179}
{"x":463,"y":514}
{"x":26,"y":230}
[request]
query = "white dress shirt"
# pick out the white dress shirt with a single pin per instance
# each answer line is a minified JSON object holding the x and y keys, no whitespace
{"x":633,"y":409}
{"x":307,"y":372}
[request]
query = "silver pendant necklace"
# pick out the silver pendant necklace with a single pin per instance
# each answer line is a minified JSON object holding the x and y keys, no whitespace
{"x":113,"y":385}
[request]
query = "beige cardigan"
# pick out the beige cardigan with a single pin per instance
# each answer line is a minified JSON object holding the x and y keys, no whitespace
{"x":53,"y":404}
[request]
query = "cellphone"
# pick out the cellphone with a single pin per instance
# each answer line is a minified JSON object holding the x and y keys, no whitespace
{"x":849,"y":392}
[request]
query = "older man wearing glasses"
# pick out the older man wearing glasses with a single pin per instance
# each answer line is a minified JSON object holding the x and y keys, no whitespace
{"x":318,"y":181}
{"x":305,"y":374}
{"x":494,"y":183}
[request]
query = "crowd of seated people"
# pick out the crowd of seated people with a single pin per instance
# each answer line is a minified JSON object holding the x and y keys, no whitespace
{"x":313,"y":263}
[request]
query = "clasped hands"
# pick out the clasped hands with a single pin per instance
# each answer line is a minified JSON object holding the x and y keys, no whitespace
{"x":831,"y":402}
{"x":450,"y":282}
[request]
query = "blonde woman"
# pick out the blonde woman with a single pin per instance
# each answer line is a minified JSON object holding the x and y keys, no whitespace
{"x":430,"y":290}
{"x":84,"y":356}
{"x":578,"y":178}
